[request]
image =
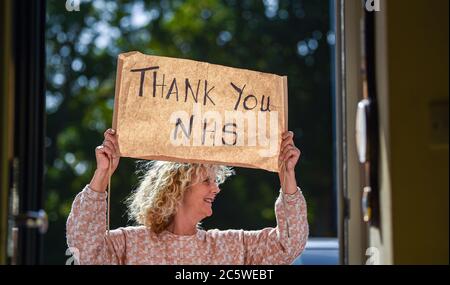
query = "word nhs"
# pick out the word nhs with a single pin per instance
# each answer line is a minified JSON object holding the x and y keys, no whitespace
{"x":233,"y":128}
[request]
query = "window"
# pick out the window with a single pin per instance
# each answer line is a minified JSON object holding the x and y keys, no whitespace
{"x":285,"y":37}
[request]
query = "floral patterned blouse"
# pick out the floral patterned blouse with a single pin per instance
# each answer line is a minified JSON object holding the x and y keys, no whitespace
{"x":90,"y":244}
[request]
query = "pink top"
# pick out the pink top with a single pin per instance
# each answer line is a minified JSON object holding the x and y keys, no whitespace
{"x":89,"y":243}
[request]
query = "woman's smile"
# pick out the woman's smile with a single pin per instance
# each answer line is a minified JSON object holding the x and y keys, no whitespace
{"x":209,"y":201}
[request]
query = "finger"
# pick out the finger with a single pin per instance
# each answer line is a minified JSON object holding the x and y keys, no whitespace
{"x":295,"y":150}
{"x":113,"y":137}
{"x":291,"y":154}
{"x":286,"y":150}
{"x":109,"y":138}
{"x":115,"y":148}
{"x":283,"y":151}
{"x":109,"y":131}
{"x":108,"y":150}
{"x":287,"y":141}
{"x":100,"y":150}
{"x":287,"y":134}
{"x":114,"y":140}
{"x":290,"y":157}
{"x":110,"y":145}
{"x":295,"y":154}
{"x":291,"y":146}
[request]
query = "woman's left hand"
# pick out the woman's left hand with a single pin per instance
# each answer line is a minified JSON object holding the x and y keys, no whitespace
{"x":289,"y":156}
{"x":289,"y":153}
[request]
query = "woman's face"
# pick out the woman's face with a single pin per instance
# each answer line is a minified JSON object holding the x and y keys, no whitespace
{"x":199,"y":198}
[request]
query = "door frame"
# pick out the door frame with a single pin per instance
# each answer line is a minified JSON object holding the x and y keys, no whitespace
{"x":339,"y":128}
{"x":352,"y":230}
{"x":22,"y":154}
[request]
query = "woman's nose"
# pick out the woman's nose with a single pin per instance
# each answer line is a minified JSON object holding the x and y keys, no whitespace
{"x":215,"y":188}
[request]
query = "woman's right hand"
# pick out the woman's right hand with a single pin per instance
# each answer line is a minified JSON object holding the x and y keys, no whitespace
{"x":105,"y":153}
{"x":108,"y":151}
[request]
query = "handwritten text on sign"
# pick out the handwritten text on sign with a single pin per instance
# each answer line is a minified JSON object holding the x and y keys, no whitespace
{"x":184,"y":110}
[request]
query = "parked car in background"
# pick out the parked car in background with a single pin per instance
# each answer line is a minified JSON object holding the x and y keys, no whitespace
{"x":319,"y":251}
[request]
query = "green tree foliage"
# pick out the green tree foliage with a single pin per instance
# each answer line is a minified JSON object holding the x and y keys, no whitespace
{"x":277,"y":36}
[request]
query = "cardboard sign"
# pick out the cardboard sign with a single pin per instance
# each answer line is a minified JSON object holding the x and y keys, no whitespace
{"x":189,"y":111}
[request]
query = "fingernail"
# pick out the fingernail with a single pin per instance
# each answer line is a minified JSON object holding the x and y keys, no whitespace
{"x":112,"y":131}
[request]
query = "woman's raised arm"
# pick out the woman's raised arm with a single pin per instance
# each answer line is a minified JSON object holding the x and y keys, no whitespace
{"x":87,"y":236}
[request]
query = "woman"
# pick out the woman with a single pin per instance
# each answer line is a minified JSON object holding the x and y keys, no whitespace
{"x":169,"y":203}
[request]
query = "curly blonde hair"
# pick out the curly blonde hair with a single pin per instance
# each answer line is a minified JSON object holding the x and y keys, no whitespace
{"x":161,"y":189}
